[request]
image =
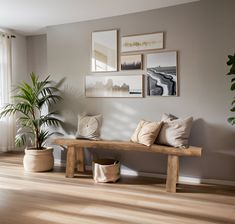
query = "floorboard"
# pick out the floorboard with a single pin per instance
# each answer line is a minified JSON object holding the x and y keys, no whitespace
{"x":49,"y":197}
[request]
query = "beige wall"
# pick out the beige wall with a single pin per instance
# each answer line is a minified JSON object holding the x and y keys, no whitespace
{"x":37,"y":54}
{"x":19,"y":58}
{"x":203,"y":33}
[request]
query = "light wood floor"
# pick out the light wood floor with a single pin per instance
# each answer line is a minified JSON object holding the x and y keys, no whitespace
{"x":50,"y":198}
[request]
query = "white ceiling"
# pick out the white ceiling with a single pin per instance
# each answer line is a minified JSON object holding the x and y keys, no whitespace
{"x":32,"y":16}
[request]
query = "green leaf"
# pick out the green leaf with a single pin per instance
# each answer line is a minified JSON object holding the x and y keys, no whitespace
{"x":48,"y":100}
{"x":34,"y":78}
{"x":231,"y":120}
{"x":21,"y":139}
{"x":231,"y":59}
{"x":25,"y":121}
{"x":230,"y":62}
{"x":43,"y":136}
{"x":50,"y":120}
{"x":233,"y":86}
{"x":233,"y":79}
{"x":233,"y":109}
{"x":7,"y":110}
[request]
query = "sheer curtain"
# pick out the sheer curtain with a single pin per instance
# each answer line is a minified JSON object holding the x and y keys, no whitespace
{"x":7,"y":124}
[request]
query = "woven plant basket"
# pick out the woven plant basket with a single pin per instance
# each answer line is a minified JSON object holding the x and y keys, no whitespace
{"x":38,"y":160}
{"x":106,"y":170}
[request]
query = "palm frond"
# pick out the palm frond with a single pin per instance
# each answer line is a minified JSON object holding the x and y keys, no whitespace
{"x":12,"y":109}
{"x":29,"y":99}
{"x":34,"y":78}
{"x":27,"y":92}
{"x":25,"y":122}
{"x":51,"y":121}
{"x":43,"y":136}
{"x":231,"y":120}
{"x":21,"y":139}
{"x":48,"y":100}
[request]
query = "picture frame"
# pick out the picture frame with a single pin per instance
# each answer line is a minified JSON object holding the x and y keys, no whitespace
{"x":131,"y":62}
{"x":114,"y":86}
{"x":104,"y":52}
{"x":162,"y":75}
{"x":142,"y":42}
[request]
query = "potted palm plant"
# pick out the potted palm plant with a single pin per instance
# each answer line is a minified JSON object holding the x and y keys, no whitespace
{"x":231,"y":62}
{"x":29,"y":103}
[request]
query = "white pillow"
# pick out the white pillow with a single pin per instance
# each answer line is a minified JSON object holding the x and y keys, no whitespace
{"x":89,"y":126}
{"x":175,"y":131}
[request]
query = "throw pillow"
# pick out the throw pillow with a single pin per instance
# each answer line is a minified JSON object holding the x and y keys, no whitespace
{"x":175,"y":131}
{"x":146,"y":132}
{"x":89,"y":127}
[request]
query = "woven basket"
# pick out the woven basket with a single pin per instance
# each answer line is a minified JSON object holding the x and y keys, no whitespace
{"x":106,"y":170}
{"x":38,"y":160}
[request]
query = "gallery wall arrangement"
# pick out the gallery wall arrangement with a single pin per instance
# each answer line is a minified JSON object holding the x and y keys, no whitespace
{"x":159,"y":69}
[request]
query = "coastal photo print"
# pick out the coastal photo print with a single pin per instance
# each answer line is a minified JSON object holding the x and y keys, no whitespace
{"x":162,"y":74}
{"x":114,"y":86}
{"x":131,"y":62}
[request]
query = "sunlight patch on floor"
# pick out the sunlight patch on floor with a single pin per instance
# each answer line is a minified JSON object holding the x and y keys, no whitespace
{"x":57,"y":217}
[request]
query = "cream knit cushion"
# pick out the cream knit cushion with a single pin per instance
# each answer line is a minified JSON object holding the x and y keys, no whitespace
{"x":175,"y":132}
{"x":146,"y":132}
{"x":89,"y":127}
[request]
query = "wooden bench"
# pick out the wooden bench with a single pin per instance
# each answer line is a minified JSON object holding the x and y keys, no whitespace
{"x":75,"y":155}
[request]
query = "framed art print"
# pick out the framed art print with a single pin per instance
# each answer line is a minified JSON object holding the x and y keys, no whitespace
{"x":142,"y":42}
{"x":162,"y":74}
{"x":104,"y":51}
{"x":114,"y":86}
{"x":131,"y":62}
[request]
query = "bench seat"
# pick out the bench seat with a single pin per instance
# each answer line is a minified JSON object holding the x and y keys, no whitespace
{"x":75,"y":154}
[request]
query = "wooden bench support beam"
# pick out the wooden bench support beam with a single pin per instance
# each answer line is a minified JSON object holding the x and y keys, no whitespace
{"x":172,"y":173}
{"x":80,"y":159}
{"x":70,"y":164}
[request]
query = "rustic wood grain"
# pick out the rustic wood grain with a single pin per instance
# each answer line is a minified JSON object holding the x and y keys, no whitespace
{"x":80,"y":159}
{"x":70,"y":164}
{"x":127,"y":145}
{"x":172,"y":173}
{"x":50,"y":198}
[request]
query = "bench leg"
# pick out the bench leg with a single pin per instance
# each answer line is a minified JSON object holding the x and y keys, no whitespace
{"x":70,"y":164}
{"x":80,"y":159}
{"x":172,"y":173}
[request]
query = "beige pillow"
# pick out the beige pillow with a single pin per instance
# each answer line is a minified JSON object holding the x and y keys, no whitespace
{"x":146,"y":132}
{"x":175,"y":131}
{"x":89,"y":126}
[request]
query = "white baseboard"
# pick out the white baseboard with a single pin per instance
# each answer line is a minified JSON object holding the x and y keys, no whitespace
{"x":182,"y":179}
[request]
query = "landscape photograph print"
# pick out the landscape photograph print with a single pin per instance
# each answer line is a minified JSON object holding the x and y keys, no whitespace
{"x":162,"y":74}
{"x":142,"y":42}
{"x":114,"y":86}
{"x":131,"y":62}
